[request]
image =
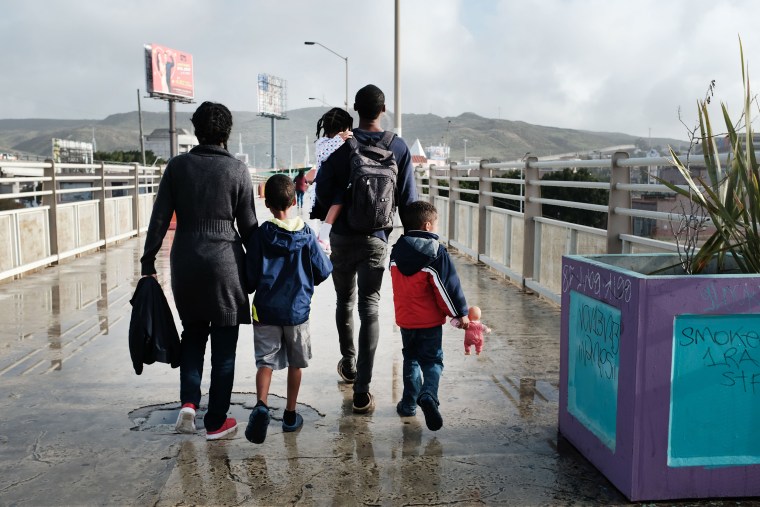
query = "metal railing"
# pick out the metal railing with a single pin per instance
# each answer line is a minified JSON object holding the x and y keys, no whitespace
{"x":63,"y":210}
{"x":528,"y":247}
{"x":51,"y":211}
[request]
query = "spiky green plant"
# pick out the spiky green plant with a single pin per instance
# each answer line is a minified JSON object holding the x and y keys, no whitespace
{"x":731,"y":197}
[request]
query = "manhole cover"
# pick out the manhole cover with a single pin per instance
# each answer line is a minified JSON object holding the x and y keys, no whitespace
{"x":161,"y":418}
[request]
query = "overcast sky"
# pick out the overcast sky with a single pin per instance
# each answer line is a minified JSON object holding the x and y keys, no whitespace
{"x":604,"y":65}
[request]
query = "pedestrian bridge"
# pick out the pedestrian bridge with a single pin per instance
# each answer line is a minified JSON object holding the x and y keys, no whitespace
{"x":79,"y":427}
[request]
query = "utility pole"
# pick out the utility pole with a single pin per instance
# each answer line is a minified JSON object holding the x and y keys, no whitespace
{"x":142,"y":138}
{"x":274,"y":137}
{"x":172,"y":129}
{"x":446,"y":143}
{"x":397,"y":77}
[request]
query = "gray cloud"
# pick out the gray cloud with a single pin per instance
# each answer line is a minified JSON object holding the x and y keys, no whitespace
{"x":607,"y":65}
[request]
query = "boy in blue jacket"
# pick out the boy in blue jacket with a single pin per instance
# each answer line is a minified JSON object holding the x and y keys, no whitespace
{"x":283,"y":262}
{"x":426,"y":290}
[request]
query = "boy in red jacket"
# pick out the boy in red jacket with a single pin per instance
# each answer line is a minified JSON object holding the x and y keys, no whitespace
{"x":426,"y":290}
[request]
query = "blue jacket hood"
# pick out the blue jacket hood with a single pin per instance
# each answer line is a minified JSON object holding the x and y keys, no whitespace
{"x":415,"y":250}
{"x":279,"y":242}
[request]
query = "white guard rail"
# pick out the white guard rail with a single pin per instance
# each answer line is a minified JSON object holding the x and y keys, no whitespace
{"x":52,"y":211}
{"x":508,"y":232}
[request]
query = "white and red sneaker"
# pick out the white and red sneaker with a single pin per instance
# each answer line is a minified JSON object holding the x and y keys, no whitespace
{"x":186,"y":419}
{"x":228,"y":430}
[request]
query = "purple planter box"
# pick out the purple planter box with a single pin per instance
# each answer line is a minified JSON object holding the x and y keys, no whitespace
{"x":660,"y":376}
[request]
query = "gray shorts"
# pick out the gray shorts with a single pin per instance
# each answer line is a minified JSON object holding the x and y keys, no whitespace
{"x":278,"y":347}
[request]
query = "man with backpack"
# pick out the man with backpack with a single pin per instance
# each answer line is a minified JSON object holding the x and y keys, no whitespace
{"x":372,"y":178}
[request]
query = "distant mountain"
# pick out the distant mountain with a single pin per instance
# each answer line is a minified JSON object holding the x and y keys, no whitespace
{"x":486,"y":137}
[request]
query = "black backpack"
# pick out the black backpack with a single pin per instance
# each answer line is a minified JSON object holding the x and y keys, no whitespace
{"x":371,"y":191}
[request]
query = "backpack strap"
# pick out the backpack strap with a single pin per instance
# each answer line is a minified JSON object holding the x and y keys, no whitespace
{"x":387,"y":139}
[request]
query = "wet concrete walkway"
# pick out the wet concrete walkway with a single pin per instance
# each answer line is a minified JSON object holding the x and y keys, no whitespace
{"x":79,"y":427}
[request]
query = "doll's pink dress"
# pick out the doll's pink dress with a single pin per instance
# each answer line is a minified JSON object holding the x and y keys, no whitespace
{"x":473,"y":336}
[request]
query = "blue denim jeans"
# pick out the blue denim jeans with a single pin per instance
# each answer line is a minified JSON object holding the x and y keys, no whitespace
{"x":423,"y":364}
{"x":193,"y":349}
{"x":358,"y":266}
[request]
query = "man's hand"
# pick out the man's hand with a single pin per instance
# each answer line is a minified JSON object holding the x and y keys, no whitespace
{"x":464,"y":322}
{"x":323,"y":238}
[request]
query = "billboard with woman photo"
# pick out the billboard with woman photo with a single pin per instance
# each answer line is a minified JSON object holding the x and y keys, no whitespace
{"x":168,"y":72}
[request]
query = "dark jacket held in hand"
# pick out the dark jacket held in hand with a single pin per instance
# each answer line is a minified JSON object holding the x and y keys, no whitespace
{"x":152,"y":332}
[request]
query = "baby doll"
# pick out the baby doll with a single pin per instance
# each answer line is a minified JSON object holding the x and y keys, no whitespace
{"x":473,"y":335}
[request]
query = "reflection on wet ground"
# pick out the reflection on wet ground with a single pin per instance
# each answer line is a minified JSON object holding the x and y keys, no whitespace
{"x":524,"y":392}
{"x":78,"y":427}
{"x":50,"y":316}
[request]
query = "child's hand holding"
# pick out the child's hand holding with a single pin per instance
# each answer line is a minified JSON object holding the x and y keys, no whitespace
{"x":460,"y":322}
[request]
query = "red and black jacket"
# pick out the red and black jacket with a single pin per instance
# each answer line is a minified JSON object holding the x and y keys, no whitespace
{"x":426,"y":287}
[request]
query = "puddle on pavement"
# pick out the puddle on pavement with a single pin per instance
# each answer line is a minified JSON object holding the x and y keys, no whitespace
{"x":526,"y":393}
{"x":53,"y":315}
{"x":161,"y":418}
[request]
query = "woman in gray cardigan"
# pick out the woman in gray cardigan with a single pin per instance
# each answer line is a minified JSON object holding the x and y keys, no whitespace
{"x":210,"y":191}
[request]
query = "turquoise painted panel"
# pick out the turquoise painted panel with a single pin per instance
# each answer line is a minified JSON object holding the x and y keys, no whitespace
{"x":593,"y":364}
{"x":715,"y":391}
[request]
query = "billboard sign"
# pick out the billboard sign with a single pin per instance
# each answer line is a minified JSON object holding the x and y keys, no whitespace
{"x":72,"y":152}
{"x":272,"y":96}
{"x":168,"y":72}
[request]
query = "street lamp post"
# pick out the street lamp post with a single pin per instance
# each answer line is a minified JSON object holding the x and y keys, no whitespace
{"x":344,"y":58}
{"x":465,"y":150}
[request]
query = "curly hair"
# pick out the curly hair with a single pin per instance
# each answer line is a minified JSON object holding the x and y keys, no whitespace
{"x":333,"y":121}
{"x":213,"y":123}
{"x":369,"y":102}
{"x":279,"y":192}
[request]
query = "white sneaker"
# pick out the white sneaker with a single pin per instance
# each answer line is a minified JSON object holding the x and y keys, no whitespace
{"x":186,"y":419}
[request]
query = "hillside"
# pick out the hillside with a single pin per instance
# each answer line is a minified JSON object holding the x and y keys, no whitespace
{"x":486,"y":137}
